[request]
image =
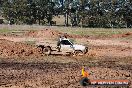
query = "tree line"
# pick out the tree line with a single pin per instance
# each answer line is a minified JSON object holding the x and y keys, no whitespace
{"x":85,"y":13}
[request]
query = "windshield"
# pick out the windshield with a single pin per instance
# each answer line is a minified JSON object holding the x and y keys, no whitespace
{"x":71,"y":41}
{"x":66,"y":42}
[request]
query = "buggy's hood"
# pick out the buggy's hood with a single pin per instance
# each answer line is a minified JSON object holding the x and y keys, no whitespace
{"x":79,"y":47}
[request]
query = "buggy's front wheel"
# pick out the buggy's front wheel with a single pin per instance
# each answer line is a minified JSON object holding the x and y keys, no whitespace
{"x":78,"y":53}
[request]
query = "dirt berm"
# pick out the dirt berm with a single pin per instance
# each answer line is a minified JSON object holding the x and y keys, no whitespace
{"x":11,"y":49}
{"x":122,"y":35}
{"x":49,"y":33}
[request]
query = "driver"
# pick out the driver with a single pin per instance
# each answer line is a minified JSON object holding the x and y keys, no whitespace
{"x":59,"y":41}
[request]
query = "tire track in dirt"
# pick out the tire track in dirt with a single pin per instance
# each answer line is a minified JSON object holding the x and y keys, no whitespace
{"x":56,"y":75}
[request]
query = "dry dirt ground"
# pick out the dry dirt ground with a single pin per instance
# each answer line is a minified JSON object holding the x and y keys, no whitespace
{"x":22,"y":65}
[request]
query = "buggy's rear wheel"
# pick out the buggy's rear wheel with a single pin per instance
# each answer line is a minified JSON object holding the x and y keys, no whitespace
{"x":40,"y":48}
{"x":47,"y":50}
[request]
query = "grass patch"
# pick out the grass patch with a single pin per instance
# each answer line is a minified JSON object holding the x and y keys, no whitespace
{"x":93,"y":31}
{"x":4,"y":31}
{"x":30,"y":42}
{"x":11,"y":31}
{"x":70,"y":30}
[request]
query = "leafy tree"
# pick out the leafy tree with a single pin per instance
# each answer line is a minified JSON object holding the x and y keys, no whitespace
{"x":87,"y":13}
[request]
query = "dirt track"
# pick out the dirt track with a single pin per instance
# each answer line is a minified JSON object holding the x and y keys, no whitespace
{"x":22,"y":66}
{"x":57,"y":75}
{"x":111,"y":46}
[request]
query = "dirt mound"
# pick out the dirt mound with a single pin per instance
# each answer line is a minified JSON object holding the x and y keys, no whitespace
{"x":48,"y":33}
{"x":122,"y":35}
{"x":43,"y":33}
{"x":76,"y":36}
{"x":11,"y":49}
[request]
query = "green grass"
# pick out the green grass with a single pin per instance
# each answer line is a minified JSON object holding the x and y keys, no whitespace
{"x":3,"y":31}
{"x":12,"y":31}
{"x":70,"y":30}
{"x":94,"y":31}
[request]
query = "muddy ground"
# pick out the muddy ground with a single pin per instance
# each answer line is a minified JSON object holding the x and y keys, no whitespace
{"x":22,"y":65}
